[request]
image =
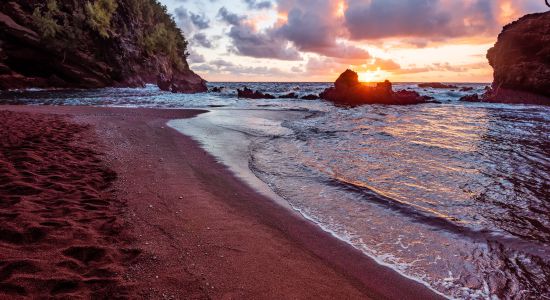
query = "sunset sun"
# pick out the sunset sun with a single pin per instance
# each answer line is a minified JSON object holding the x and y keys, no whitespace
{"x":373,"y":76}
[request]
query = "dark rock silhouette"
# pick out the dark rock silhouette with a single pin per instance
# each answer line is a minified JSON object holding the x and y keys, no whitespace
{"x":521,"y":62}
{"x":470,"y":98}
{"x":288,"y":96}
{"x":57,"y":44}
{"x":310,"y":97}
{"x":217,"y":89}
{"x":250,"y":94}
{"x":348,"y":90}
{"x":466,"y":89}
{"x":436,"y":85}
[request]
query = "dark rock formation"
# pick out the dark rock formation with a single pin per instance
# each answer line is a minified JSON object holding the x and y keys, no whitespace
{"x":470,"y":98}
{"x":310,"y":97}
{"x":217,"y":89}
{"x":348,"y":90}
{"x":521,"y":62}
{"x":92,"y":44}
{"x":436,"y":85}
{"x":466,"y":89}
{"x":250,"y":94}
{"x":288,"y":96}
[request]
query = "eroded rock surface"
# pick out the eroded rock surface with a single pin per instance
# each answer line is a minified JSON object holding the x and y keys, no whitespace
{"x":521,"y":62}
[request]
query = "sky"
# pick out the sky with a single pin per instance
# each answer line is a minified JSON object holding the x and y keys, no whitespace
{"x":316,"y":40}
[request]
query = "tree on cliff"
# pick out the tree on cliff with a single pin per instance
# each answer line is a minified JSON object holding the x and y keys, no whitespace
{"x":155,"y":31}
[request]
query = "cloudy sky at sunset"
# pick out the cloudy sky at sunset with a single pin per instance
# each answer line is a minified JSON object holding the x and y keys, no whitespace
{"x":315,"y":40}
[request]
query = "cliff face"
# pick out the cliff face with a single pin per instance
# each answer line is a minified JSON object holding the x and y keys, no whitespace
{"x":92,"y":44}
{"x":521,"y":62}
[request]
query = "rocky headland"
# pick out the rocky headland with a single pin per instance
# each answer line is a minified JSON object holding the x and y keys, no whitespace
{"x":521,"y":63}
{"x":92,"y":44}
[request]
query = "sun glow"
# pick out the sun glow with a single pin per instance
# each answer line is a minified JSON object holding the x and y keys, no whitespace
{"x":341,"y":9}
{"x":373,"y":76}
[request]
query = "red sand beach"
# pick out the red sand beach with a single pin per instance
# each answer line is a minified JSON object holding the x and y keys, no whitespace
{"x":110,"y":202}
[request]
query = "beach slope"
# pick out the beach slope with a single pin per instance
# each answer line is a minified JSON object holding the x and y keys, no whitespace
{"x":185,"y":226}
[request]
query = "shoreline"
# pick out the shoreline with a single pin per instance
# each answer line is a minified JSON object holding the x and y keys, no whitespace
{"x":197,"y":222}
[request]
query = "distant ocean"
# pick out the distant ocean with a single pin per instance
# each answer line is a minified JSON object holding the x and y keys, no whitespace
{"x":455,"y":195}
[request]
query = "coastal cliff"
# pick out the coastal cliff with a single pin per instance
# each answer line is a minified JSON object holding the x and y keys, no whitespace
{"x":521,"y":62}
{"x":92,"y":44}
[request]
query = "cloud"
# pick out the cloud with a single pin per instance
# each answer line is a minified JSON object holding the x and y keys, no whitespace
{"x":247,"y":41}
{"x":384,"y":18}
{"x":202,"y":40}
{"x":195,"y":58}
{"x":386,"y":64}
{"x":442,"y":67}
{"x":190,"y":22}
{"x":253,"y":4}
{"x":323,"y":66}
{"x":376,"y":19}
{"x":222,"y":66}
{"x":310,"y":26}
{"x":313,"y":26}
{"x":183,"y":20}
{"x":229,"y":18}
{"x":201,"y":21}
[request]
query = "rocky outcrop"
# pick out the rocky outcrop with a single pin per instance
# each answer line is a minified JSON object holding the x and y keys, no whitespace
{"x":310,"y":97}
{"x":217,"y":89}
{"x":288,"y":96}
{"x":348,"y":90}
{"x":436,"y":85}
{"x":250,"y":94}
{"x":92,"y":44}
{"x":470,"y":98}
{"x":521,"y":62}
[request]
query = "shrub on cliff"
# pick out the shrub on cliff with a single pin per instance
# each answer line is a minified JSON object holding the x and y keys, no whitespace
{"x":161,"y":35}
{"x":164,"y":41}
{"x":100,"y":14}
{"x":65,"y":25}
{"x":45,"y":22}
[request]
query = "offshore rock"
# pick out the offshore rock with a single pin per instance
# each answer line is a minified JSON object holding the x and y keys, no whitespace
{"x":250,"y":94}
{"x":348,"y":90}
{"x":288,"y":96}
{"x":310,"y":97}
{"x":436,"y":85}
{"x":470,"y":98}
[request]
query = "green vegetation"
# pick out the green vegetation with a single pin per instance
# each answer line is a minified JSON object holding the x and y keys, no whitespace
{"x":69,"y":25}
{"x":100,"y":14}
{"x":163,"y":41}
{"x":45,"y":22}
{"x":160,"y":35}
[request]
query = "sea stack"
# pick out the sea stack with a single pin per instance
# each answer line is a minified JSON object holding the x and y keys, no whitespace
{"x":92,"y":44}
{"x":348,"y":90}
{"x":521,"y":62}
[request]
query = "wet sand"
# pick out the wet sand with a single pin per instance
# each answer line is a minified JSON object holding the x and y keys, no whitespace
{"x":172,"y":222}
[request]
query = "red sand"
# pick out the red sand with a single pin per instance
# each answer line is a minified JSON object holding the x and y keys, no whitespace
{"x":60,"y":229}
{"x":190,"y":228}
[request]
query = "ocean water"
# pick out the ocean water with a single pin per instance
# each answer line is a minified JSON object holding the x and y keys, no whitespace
{"x":455,"y":195}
